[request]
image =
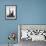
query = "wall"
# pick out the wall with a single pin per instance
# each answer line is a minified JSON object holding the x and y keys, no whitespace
{"x":28,"y":12}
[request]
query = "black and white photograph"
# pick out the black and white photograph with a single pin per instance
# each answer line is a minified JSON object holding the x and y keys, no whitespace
{"x":10,"y":12}
{"x":30,"y":34}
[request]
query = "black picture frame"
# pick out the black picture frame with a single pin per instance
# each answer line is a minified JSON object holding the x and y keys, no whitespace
{"x":10,"y":15}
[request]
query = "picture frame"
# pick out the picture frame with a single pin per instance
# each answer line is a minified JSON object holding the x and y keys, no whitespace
{"x":10,"y":12}
{"x":37,"y":29}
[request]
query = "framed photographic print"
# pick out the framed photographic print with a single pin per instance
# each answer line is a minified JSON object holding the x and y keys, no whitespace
{"x":10,"y":11}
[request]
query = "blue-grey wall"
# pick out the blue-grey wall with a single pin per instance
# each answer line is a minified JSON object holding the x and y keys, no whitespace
{"x":28,"y":12}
